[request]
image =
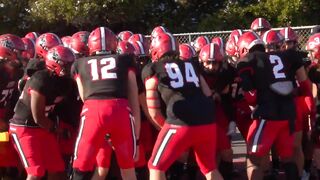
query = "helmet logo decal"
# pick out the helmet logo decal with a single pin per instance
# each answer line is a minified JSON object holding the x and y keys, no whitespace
{"x":7,"y":43}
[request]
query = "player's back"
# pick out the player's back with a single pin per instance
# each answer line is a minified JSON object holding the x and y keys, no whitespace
{"x":274,"y":79}
{"x":179,"y":86}
{"x":104,"y":77}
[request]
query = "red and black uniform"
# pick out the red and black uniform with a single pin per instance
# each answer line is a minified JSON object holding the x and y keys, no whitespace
{"x":225,"y":113}
{"x":8,"y":90}
{"x":68,"y":114}
{"x":189,"y":115}
{"x":106,"y":122}
{"x":148,"y":133}
{"x":272,"y":75}
{"x":241,"y":106}
{"x":38,"y":148}
{"x":33,"y":66}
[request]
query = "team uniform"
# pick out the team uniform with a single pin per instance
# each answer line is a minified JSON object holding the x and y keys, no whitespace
{"x":38,"y":148}
{"x":106,"y":123}
{"x":147,"y":132}
{"x":272,"y":75}
{"x":241,"y":106}
{"x":189,"y":115}
{"x":218,"y":82}
{"x":8,"y":89}
{"x":68,"y":114}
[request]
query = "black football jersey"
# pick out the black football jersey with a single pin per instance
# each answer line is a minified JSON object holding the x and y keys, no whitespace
{"x":8,"y":84}
{"x":104,"y":77}
{"x":54,"y":89}
{"x":218,"y":82}
{"x":261,"y":71}
{"x":179,"y":88}
{"x":70,"y":108}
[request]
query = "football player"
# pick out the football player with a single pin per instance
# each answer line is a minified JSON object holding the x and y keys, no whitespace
{"x":110,"y":118}
{"x":10,"y":75}
{"x":305,"y":107}
{"x":219,"y":75}
{"x":272,"y":75}
{"x":177,"y":99}
{"x":32,"y":128}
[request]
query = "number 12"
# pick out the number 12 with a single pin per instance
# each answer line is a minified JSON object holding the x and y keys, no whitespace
{"x":109,"y":64}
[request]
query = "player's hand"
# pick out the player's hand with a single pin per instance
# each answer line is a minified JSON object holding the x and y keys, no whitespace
{"x":232,"y":128}
{"x":136,"y":157}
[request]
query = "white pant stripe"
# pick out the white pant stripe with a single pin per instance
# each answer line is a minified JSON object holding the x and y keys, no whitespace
{"x":23,"y":157}
{"x":257,"y":136}
{"x":163,"y":145}
{"x":79,"y":138}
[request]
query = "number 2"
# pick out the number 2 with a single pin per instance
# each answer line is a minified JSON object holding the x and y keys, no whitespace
{"x":278,"y":66}
{"x":109,"y":64}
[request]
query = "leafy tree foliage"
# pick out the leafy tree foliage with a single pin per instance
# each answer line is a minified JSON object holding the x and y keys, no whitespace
{"x":67,"y":16}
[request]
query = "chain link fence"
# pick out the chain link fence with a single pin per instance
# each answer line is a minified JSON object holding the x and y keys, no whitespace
{"x":303,"y":32}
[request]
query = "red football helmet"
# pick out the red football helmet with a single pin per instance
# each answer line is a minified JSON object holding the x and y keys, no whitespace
{"x":32,"y":35}
{"x":313,"y":46}
{"x":124,"y":35}
{"x":66,"y":40}
{"x":247,"y":41}
{"x":59,"y":60}
{"x":200,"y":42}
{"x":102,"y":41}
{"x":124,"y":47}
{"x":158,"y":30}
{"x":220,"y":43}
{"x":231,"y":46}
{"x":210,"y":52}
{"x":260,"y":24}
{"x":236,"y":32}
{"x":79,"y":43}
{"x":232,"y":50}
{"x":12,"y":42}
{"x":30,"y":51}
{"x":163,"y":44}
{"x":139,"y":49}
{"x":137,"y":37}
{"x":45,"y":42}
{"x":6,"y":54}
{"x":272,"y":39}
{"x":289,"y":34}
{"x":186,"y":51}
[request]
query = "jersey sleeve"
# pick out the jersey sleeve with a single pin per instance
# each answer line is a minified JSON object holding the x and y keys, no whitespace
{"x":39,"y":82}
{"x":147,"y":72}
{"x":245,"y":69}
{"x":130,"y":61}
{"x":314,"y":73}
{"x":297,"y":58}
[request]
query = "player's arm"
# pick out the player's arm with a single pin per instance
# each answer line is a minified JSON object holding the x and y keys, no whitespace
{"x":80,"y":87}
{"x":38,"y":105}
{"x":153,"y":102}
{"x":143,"y":105}
{"x":134,"y":101}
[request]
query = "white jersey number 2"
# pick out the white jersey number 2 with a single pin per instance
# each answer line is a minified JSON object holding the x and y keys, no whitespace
{"x":277,"y":66}
{"x":177,"y":79}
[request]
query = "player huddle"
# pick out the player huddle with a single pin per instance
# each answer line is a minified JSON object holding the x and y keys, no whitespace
{"x":161,"y":108}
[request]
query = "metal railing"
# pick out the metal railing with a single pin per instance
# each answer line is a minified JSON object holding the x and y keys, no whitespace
{"x":302,"y":31}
